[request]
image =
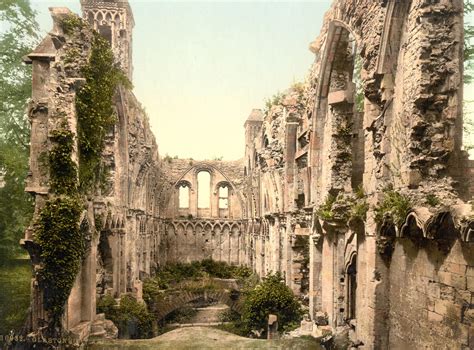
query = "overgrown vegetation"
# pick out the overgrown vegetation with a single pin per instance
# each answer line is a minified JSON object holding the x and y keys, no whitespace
{"x":274,"y":100}
{"x":432,"y":200}
{"x":394,"y":208}
{"x":63,"y":171}
{"x":172,"y":274}
{"x":131,"y":317}
{"x":95,"y":111}
{"x":344,"y":207}
{"x":271,"y":296}
{"x":18,"y":36}
{"x":62,"y":248}
{"x":59,"y":235}
{"x":324,"y":211}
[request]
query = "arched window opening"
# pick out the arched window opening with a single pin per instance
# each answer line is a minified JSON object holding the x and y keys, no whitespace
{"x":183,"y":196}
{"x":204,"y":189}
{"x":351,"y":288}
{"x":106,"y":32}
{"x":223,"y":197}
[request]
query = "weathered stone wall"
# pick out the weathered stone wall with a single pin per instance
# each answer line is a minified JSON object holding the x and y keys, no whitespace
{"x":122,"y":215}
{"x":366,"y":160}
{"x":193,"y":233}
{"x":429,"y":285}
{"x":353,"y":184}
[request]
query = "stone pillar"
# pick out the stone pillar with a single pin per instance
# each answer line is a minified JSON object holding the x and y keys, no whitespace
{"x":315,"y":266}
{"x":272,"y":332}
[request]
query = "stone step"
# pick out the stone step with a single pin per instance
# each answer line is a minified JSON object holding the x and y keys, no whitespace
{"x":97,"y":326}
{"x":98,"y":334}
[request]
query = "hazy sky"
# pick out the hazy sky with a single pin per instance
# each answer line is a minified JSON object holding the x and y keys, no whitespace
{"x":200,"y":67}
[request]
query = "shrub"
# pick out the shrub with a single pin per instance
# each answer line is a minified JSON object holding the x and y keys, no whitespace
{"x":131,"y":317}
{"x":271,"y":296}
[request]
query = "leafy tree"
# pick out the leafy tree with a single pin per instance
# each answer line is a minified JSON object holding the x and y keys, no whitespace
{"x":271,"y":296}
{"x":17,"y":38}
{"x":468,"y":44}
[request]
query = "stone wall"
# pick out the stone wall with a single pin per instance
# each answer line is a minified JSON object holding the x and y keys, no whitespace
{"x":353,"y":184}
{"x":364,"y":158}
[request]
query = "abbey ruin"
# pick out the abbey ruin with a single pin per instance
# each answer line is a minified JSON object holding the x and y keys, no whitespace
{"x":353,"y":184}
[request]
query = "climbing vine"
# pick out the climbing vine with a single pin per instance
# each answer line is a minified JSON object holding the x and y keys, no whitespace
{"x":61,"y":238}
{"x":62,"y":248}
{"x":95,"y":111}
{"x":63,"y":171}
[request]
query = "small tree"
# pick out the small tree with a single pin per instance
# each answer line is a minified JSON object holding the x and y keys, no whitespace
{"x":271,"y":296}
{"x":18,"y":36}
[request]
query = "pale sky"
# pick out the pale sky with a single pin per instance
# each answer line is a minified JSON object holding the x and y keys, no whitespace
{"x":200,"y":67}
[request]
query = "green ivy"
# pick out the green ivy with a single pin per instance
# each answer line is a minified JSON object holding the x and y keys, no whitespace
{"x":95,"y":111}
{"x":62,"y":248}
{"x":63,"y":171}
{"x":71,"y":23}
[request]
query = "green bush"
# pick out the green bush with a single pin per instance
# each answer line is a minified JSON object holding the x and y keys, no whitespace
{"x":15,"y":279}
{"x":271,"y":296}
{"x":151,"y":290}
{"x":172,"y":274}
{"x":131,"y":317}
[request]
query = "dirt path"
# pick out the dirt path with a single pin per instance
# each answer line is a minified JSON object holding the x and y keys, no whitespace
{"x":204,"y":338}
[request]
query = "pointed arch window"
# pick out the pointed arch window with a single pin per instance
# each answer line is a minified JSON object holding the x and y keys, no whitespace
{"x":204,"y":189}
{"x":223,"y":197}
{"x":184,"y":196}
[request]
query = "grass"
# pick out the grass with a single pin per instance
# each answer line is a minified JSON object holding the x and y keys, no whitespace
{"x":15,"y":278}
{"x":206,"y":338}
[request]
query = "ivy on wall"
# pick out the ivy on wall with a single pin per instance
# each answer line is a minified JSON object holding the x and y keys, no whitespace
{"x":59,"y":235}
{"x":95,"y":112}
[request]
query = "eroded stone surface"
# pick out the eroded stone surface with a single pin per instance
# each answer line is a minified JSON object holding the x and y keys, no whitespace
{"x":319,"y":163}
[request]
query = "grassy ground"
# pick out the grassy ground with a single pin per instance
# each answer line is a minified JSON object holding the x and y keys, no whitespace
{"x":205,"y":338}
{"x":15,"y":277}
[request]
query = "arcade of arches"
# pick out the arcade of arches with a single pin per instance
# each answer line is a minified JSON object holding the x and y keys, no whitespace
{"x":353,"y":185}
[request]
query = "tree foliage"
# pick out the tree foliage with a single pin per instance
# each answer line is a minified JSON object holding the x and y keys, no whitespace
{"x":17,"y":38}
{"x":468,"y":44}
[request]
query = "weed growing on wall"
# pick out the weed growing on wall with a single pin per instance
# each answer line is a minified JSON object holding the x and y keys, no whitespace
{"x":395,"y":207}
